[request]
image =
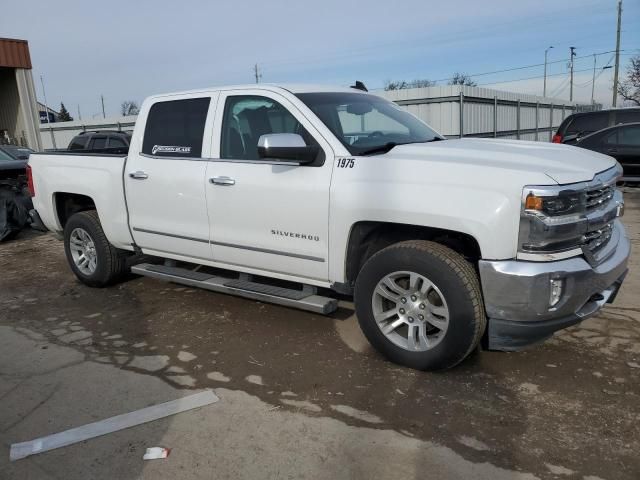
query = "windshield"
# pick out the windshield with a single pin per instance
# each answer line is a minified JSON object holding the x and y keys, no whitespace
{"x":366,"y":124}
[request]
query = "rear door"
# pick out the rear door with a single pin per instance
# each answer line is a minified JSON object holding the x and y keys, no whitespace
{"x":264,"y":214}
{"x":165,"y":177}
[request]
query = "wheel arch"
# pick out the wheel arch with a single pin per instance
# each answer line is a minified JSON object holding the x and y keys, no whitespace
{"x":67,"y":204}
{"x":368,"y":237}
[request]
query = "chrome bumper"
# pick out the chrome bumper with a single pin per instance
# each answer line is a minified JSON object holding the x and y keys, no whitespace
{"x":516,"y":293}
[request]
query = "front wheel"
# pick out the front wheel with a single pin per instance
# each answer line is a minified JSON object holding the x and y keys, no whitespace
{"x":92,"y":258}
{"x":419,"y":303}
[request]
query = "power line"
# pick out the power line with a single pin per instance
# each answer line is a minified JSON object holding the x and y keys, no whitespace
{"x":527,"y":67}
{"x":561,"y":88}
{"x":531,"y":78}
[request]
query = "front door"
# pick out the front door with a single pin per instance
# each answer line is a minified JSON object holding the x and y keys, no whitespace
{"x":264,"y":214}
{"x":165,"y":178}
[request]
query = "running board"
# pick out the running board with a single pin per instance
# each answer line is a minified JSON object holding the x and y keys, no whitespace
{"x":305,"y":299}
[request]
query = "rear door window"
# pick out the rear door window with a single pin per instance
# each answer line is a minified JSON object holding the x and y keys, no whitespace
{"x":176,"y":128}
{"x":588,"y":123}
{"x":98,"y":143}
{"x":78,"y":143}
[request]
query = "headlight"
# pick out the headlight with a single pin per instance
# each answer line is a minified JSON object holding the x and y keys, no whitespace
{"x":562,"y":218}
{"x":552,"y":220}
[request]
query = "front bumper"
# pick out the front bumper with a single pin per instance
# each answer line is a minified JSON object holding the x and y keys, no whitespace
{"x":516,"y":293}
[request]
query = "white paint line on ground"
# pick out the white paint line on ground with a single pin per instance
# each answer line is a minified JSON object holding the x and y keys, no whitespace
{"x":110,"y":425}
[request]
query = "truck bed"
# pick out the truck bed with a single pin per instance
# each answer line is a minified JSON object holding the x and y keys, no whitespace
{"x":98,"y":176}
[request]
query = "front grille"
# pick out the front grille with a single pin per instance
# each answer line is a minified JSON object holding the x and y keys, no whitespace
{"x":598,"y":197}
{"x":597,"y":239}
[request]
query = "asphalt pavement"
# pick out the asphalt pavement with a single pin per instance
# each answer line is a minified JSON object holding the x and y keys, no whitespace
{"x":301,"y":395}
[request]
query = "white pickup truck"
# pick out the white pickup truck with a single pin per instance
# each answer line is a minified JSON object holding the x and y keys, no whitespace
{"x":297,"y":195}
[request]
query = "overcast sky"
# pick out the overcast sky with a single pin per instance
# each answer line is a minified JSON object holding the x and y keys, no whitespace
{"x":127,"y":50}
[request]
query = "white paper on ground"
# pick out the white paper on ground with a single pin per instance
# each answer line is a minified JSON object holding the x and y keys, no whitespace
{"x":110,"y":425}
{"x":156,"y":452}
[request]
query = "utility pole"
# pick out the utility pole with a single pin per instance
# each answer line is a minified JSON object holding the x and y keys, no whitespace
{"x":46,"y":106}
{"x":79,"y":116}
{"x":46,"y":111}
{"x":573,"y":54}
{"x":544,"y":89}
{"x":593,"y":82}
{"x":102,"y":100}
{"x":257,"y":73}
{"x":617,"y":67}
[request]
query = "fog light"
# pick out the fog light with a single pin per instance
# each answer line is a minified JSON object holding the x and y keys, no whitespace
{"x":555,"y":291}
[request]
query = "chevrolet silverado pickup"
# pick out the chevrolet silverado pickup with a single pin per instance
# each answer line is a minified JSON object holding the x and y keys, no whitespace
{"x":299,"y":195}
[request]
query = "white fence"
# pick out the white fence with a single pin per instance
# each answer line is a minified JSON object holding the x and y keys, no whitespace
{"x":454,"y":111}
{"x":59,"y":134}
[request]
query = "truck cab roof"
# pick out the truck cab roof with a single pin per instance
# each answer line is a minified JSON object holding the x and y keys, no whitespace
{"x":273,"y":87}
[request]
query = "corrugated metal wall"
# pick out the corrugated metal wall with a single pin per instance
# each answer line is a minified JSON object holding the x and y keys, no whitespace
{"x":10,"y":118}
{"x":485,"y":112}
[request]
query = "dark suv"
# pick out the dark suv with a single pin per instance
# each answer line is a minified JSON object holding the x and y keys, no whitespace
{"x":622,"y":142}
{"x":579,"y":125}
{"x":101,"y":140}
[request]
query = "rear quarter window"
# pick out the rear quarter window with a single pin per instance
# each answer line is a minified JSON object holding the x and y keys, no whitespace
{"x":117,"y":142}
{"x":176,"y":128}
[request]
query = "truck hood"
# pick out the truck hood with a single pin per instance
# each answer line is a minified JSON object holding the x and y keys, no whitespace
{"x":563,"y":164}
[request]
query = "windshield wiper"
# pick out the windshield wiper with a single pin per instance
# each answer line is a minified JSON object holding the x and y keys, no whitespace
{"x":389,"y":145}
{"x":380,"y":148}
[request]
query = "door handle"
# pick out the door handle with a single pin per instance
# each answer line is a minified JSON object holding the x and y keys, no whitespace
{"x":139,"y":175}
{"x":226,"y":181}
{"x":612,"y":150}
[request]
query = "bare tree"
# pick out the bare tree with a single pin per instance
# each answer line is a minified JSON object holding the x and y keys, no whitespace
{"x":129,"y":107}
{"x":462,"y":79}
{"x":629,"y":88}
{"x":402,"y":84}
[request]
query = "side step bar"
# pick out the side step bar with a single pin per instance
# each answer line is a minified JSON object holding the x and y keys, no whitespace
{"x":305,"y":299}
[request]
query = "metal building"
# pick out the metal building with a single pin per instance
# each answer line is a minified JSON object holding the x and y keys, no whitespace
{"x":19,"y":118}
{"x":461,"y":111}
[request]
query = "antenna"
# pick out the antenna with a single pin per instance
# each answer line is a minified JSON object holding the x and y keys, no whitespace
{"x":257,"y":73}
{"x":359,"y":86}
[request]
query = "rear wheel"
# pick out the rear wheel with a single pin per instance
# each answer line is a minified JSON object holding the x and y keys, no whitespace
{"x":419,"y":304}
{"x":92,"y":258}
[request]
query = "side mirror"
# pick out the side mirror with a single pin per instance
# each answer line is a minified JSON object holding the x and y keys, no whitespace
{"x":287,"y":147}
{"x":572,"y":138}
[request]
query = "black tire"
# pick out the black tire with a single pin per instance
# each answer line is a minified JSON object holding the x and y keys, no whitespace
{"x":111,"y":263}
{"x":457,"y":281}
